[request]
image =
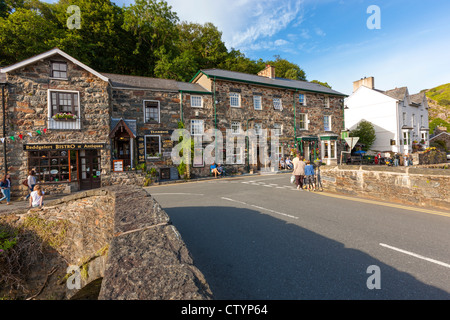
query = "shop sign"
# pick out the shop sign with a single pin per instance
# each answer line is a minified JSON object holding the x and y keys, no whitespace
{"x":159,"y":132}
{"x":69,"y":146}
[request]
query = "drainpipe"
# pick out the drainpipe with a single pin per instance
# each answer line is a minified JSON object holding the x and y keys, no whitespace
{"x":181,"y":106}
{"x":4,"y":129}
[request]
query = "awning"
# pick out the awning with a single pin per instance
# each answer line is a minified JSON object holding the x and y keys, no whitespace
{"x":127,"y":125}
{"x":307,"y":139}
{"x":329,"y":138}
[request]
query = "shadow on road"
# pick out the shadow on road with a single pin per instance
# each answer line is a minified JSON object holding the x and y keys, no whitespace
{"x":248,"y":255}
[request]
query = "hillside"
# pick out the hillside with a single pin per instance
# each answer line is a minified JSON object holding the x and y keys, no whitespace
{"x":439,"y":102}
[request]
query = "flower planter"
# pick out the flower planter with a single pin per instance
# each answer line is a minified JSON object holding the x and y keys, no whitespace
{"x":64,"y":119}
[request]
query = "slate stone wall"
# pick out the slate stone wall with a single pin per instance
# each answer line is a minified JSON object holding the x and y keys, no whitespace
{"x":414,"y":186}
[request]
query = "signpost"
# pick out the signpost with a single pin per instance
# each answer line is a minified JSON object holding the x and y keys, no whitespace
{"x":351,"y":141}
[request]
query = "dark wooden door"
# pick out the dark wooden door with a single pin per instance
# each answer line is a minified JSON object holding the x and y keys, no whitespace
{"x":90,"y":168}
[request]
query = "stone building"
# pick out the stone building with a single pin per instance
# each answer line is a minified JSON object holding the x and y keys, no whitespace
{"x":307,"y":116}
{"x":82,"y":129}
{"x":68,"y":152}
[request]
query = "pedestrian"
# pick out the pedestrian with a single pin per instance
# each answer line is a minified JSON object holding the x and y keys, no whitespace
{"x":405,"y":159}
{"x":31,"y":182}
{"x":410,"y":160}
{"x":5,"y":184}
{"x":309,"y":174}
{"x":37,"y":197}
{"x":400,"y":160}
{"x":318,"y":176}
{"x":299,"y":171}
{"x":396,"y":160}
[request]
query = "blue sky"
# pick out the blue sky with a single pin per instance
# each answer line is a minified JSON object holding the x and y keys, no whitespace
{"x":330,"y":40}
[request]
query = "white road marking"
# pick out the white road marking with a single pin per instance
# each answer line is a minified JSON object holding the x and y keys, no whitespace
{"x":416,"y":255}
{"x":261,"y":208}
{"x":176,"y":194}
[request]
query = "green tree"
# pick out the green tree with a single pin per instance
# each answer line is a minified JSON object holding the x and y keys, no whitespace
{"x":286,"y":69}
{"x":101,"y":43}
{"x":25,"y":33}
{"x":153,"y":25}
{"x":325,"y":84}
{"x":366,"y":133}
{"x":438,"y":122}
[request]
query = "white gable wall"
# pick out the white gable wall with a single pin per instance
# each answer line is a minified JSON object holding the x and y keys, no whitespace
{"x":377,"y":108}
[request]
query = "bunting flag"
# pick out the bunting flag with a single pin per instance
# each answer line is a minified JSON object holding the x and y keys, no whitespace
{"x":30,"y":134}
{"x":21,"y":136}
{"x":45,"y":130}
{"x":38,"y":132}
{"x":2,"y":139}
{"x":12,"y":138}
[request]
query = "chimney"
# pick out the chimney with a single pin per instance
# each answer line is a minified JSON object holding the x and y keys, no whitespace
{"x":268,"y":72}
{"x":367,"y":82}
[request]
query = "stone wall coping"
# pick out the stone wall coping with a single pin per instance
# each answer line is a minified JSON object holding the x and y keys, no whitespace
{"x":391,"y":170}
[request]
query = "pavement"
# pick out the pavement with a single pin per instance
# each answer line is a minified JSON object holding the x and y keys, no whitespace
{"x":20,"y":205}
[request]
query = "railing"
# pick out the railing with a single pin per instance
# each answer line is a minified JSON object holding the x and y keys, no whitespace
{"x":64,"y":124}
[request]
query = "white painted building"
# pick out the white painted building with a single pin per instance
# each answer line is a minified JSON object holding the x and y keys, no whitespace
{"x":399,"y":119}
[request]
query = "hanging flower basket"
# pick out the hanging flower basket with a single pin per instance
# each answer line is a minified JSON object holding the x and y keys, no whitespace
{"x":64,"y":117}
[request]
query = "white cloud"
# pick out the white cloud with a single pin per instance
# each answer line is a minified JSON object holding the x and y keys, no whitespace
{"x":242,"y":22}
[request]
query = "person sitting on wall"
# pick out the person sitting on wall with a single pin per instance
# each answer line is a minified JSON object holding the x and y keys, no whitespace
{"x":213,"y":169}
{"x":221,"y":170}
{"x":289,"y":164}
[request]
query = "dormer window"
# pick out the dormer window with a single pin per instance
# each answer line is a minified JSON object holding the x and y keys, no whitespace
{"x":59,"y":70}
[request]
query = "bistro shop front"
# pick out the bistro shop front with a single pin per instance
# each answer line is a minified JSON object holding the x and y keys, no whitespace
{"x":57,"y":166}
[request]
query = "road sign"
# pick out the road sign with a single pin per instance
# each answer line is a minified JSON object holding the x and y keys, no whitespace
{"x":352,"y":141}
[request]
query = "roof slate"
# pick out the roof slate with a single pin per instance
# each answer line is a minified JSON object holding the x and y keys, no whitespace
{"x":137,"y":82}
{"x":397,"y":93}
{"x":276,"y":82}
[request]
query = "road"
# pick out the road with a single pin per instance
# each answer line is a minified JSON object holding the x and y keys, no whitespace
{"x":257,"y":237}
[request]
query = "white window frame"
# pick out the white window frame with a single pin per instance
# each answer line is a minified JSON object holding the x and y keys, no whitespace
{"x":305,"y":121}
{"x":235,"y":97}
{"x":327,"y":102}
{"x":277,"y":101}
{"x":194,"y":105}
{"x":404,"y":118}
{"x":278,"y":131}
{"x":53,"y":124}
{"x":235,"y":124}
{"x":329,"y":123}
{"x":145,"y":142}
{"x":258,"y":131}
{"x":303,"y":103}
{"x":198,"y":121}
{"x":200,"y":156}
{"x":145,"y":113}
{"x":255,"y":99}
{"x":326,"y":149}
{"x":238,"y":155}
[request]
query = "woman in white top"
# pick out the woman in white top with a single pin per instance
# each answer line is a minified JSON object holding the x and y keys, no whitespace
{"x":31,"y":183}
{"x":37,"y":197}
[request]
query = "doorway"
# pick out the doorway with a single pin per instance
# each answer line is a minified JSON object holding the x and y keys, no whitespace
{"x":90,"y":169}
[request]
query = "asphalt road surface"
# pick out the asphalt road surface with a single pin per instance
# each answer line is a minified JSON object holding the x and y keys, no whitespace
{"x":258,"y":238}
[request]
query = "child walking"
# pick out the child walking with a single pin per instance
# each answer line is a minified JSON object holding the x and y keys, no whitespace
{"x":309,"y":174}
